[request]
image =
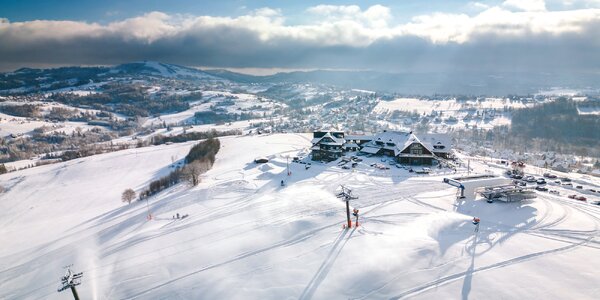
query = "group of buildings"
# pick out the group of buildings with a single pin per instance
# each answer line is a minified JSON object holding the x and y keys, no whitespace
{"x":405,"y":147}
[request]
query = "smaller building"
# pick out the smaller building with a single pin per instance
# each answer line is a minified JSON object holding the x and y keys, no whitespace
{"x":327,"y":145}
{"x":439,"y":143}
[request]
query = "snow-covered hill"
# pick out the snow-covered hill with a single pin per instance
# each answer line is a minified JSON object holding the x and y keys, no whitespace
{"x":159,"y":69}
{"x":247,"y":237}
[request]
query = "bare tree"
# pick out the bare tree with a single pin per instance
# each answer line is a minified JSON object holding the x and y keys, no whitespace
{"x":128,"y":195}
{"x":193,"y":170}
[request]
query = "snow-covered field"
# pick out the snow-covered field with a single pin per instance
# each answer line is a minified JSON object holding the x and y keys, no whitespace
{"x":19,"y":125}
{"x":232,"y":103}
{"x":450,"y":113}
{"x":452,"y":105}
{"x":247,"y":237}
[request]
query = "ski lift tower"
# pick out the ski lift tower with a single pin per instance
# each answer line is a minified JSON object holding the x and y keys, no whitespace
{"x":346,"y":195}
{"x":70,"y":280}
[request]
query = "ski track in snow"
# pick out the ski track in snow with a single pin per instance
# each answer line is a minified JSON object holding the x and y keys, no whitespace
{"x":296,"y":226}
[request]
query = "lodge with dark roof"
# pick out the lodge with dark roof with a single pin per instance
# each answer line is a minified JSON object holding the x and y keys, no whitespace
{"x":405,"y":147}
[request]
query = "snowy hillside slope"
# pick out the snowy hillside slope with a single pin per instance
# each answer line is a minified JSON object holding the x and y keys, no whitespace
{"x":163,"y":70}
{"x":247,"y":237}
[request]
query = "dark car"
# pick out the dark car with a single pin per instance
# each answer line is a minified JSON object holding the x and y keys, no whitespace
{"x":579,"y":187}
{"x":542,"y":189}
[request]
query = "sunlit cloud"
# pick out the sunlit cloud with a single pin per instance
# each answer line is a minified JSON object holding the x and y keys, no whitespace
{"x":331,"y":36}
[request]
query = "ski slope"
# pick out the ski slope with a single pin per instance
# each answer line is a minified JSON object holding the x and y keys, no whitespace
{"x":247,"y":237}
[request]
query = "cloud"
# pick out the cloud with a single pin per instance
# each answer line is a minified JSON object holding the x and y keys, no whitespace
{"x":346,"y":37}
{"x":526,"y":5}
{"x":477,"y":5}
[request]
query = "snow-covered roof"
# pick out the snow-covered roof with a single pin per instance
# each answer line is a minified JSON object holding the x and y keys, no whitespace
{"x":430,"y":140}
{"x":398,"y":141}
{"x":359,"y":137}
{"x":335,"y":141}
{"x":370,"y":150}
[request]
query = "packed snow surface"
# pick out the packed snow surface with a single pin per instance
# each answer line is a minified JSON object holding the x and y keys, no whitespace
{"x":248,"y":237}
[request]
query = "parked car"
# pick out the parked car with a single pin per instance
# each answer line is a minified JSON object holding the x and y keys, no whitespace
{"x":530,"y":179}
{"x":592,"y":190}
{"x":572,"y":196}
{"x":581,"y":198}
{"x":346,"y":167}
{"x":399,"y":166}
{"x":555,"y":192}
{"x":518,"y":176}
{"x":541,"y":181}
{"x":568,"y":184}
{"x":522,"y":183}
{"x":565,"y":179}
{"x":541,"y":189}
{"x":550,"y":176}
{"x":557,"y":181}
{"x":579,"y":187}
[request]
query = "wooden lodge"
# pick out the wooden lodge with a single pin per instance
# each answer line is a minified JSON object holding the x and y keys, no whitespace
{"x":406,"y":147}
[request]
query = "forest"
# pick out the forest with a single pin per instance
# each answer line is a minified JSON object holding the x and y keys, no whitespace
{"x":559,"y":121}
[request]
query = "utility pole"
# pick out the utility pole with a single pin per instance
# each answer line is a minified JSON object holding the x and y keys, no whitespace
{"x":287,"y":162}
{"x":346,"y":195}
{"x":148,"y":208}
{"x":469,"y":167}
{"x":70,"y":280}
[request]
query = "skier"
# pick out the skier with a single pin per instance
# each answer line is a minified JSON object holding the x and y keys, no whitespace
{"x":282,"y":183}
{"x":476,"y":221}
{"x":355,"y":213}
{"x":177,"y":215}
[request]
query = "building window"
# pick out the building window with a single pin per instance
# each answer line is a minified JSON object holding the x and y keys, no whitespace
{"x":416,"y":149}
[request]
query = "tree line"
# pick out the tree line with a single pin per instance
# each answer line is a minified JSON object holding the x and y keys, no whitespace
{"x":559,"y":121}
{"x":199,"y":160}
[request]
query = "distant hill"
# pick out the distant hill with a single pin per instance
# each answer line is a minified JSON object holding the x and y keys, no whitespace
{"x":473,"y":83}
{"x":468,"y":83}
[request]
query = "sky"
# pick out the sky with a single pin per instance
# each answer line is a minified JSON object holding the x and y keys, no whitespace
{"x":553,"y":36}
